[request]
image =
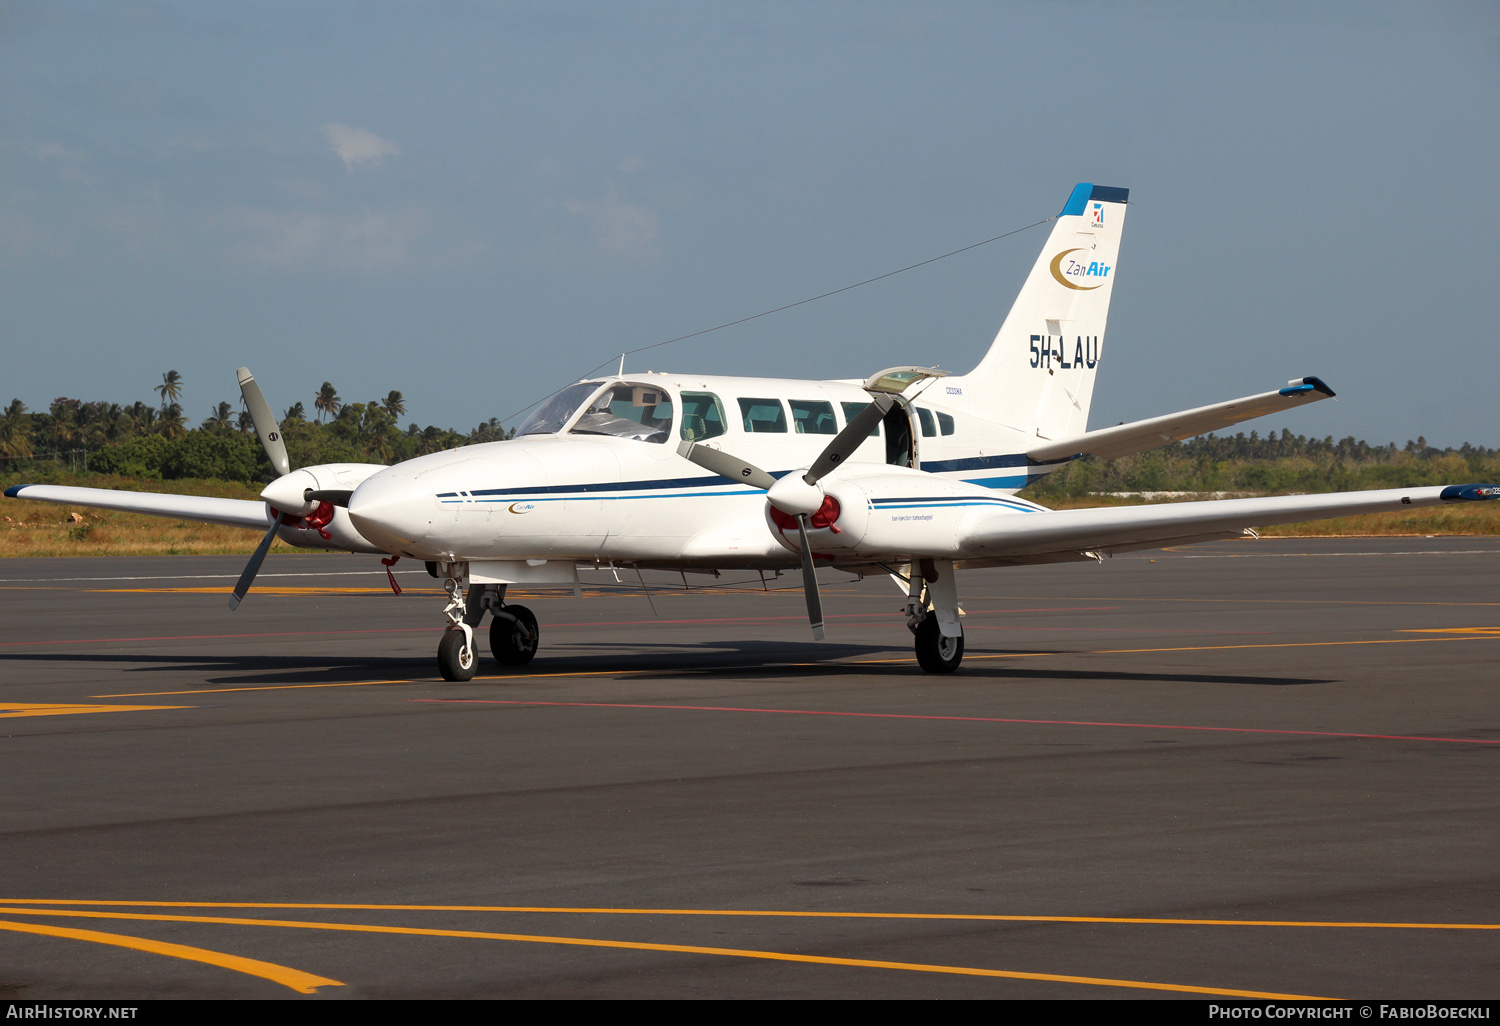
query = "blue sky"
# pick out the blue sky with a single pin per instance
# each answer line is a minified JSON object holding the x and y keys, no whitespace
{"x":475,"y":203}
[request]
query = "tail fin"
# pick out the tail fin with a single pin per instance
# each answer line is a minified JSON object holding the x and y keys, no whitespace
{"x":1038,"y":376}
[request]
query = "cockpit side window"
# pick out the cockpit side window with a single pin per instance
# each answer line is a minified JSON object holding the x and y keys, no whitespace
{"x":763,"y":415}
{"x":556,"y":411}
{"x":702,"y":416}
{"x":813,"y":418}
{"x":640,"y":412}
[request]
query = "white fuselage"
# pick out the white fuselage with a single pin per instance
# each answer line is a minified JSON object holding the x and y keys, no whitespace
{"x":570,"y":495}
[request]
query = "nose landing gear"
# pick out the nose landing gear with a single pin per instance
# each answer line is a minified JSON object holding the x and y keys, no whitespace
{"x":514,"y":633}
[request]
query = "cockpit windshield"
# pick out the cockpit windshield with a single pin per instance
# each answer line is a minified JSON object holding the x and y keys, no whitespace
{"x":555,"y":412}
{"x":641,"y":412}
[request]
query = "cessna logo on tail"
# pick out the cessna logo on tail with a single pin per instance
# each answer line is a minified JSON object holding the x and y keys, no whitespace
{"x":1077,"y":269}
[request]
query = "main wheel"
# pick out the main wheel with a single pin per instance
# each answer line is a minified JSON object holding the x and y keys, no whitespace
{"x":936,"y":653}
{"x":455,"y":659}
{"x":514,"y":642}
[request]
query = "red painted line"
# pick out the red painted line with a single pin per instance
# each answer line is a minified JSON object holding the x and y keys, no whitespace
{"x":964,"y":719}
{"x":209,"y":637}
{"x":830,"y":616}
{"x":588,"y":623}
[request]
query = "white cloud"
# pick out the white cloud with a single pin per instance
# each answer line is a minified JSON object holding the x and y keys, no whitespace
{"x":366,"y":243}
{"x":621,"y":229}
{"x":359,"y":145}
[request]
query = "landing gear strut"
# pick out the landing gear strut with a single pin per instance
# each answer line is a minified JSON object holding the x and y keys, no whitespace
{"x":932,"y":615}
{"x":514,"y":633}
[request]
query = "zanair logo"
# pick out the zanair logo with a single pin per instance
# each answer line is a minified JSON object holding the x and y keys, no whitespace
{"x":1077,"y":269}
{"x":1096,"y":216}
{"x":522,"y":507}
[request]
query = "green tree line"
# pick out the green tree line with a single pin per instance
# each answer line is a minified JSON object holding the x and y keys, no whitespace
{"x":161,"y":440}
{"x":1273,"y":463}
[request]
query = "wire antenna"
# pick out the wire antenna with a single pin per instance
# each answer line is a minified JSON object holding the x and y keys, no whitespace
{"x":788,"y":306}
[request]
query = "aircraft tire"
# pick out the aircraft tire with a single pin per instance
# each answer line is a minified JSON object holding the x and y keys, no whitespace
{"x":455,"y":661}
{"x":508,"y":645}
{"x":935,"y":653}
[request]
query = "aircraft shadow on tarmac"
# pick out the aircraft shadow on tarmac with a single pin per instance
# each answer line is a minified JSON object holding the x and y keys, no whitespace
{"x":747,"y":659}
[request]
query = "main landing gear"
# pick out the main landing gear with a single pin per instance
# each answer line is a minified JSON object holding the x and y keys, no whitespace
{"x":513,"y":629}
{"x":932,"y":615}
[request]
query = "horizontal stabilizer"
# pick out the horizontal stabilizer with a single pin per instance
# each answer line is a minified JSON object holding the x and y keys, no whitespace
{"x":1128,"y":439}
{"x":230,"y":512}
{"x":1119,"y":528}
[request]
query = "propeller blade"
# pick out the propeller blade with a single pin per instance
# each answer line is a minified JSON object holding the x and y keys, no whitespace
{"x":247,"y":577}
{"x":810,"y":582}
{"x":265,"y":423}
{"x":725,"y":465}
{"x":333,"y":496}
{"x":849,"y":439}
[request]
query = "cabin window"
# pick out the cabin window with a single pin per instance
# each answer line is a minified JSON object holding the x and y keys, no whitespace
{"x":702,"y":416}
{"x":852,"y":410}
{"x":762,"y":415}
{"x":554,"y":412}
{"x":945,"y":423}
{"x":641,"y":412}
{"x":929,"y":428}
{"x":813,"y":418}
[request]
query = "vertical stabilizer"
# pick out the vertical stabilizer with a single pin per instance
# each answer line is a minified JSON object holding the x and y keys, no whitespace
{"x":1038,"y":376}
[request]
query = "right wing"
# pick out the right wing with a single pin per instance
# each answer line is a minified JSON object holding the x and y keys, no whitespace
{"x":1122,"y":528}
{"x":231,"y":512}
{"x":1111,"y":443}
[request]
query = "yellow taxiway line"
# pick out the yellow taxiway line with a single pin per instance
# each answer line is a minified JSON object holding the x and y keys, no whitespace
{"x":302,"y":983}
{"x":9,"y":709}
{"x":6,"y":903}
{"x":690,"y":949}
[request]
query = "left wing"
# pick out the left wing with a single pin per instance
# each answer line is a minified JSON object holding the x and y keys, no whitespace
{"x":1111,"y":443}
{"x":249,"y":513}
{"x":1119,"y":528}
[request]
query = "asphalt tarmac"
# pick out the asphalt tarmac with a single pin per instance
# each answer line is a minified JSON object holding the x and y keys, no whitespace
{"x":1260,"y":767}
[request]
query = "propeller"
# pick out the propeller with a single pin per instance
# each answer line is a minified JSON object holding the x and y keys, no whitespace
{"x":269,"y":432}
{"x":247,"y":576}
{"x":266,"y":425}
{"x":798,"y":496}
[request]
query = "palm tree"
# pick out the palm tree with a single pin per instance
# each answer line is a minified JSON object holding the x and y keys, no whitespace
{"x":15,"y":431}
{"x":295,"y":412}
{"x":219,"y":418}
{"x":172,"y":423}
{"x":395,"y":405}
{"x":170,"y":388}
{"x":327,"y":401}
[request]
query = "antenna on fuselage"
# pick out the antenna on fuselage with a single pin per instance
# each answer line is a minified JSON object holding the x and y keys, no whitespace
{"x":621,"y":372}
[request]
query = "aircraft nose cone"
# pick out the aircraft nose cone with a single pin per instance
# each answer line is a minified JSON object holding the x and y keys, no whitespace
{"x":392,"y":511}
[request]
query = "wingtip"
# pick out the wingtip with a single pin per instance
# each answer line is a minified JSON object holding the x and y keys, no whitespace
{"x":14,"y":491}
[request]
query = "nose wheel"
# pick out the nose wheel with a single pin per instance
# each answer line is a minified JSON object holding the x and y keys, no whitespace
{"x":456,"y":659}
{"x":514,"y":633}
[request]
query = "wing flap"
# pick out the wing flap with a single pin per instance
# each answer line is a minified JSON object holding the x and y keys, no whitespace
{"x":1127,"y":439}
{"x":208,"y":509}
{"x":1120,"y":528}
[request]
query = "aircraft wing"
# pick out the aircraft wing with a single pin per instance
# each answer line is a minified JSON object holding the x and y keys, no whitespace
{"x":1121,"y":528}
{"x":231,"y":512}
{"x":1127,"y":439}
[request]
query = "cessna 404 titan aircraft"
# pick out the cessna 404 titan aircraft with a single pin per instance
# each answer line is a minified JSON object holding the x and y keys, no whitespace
{"x":911,"y":472}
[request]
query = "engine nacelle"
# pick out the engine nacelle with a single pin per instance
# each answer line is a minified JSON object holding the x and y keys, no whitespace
{"x":316,"y":523}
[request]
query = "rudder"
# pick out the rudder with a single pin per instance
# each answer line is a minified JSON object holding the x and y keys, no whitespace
{"x":1038,"y":375}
